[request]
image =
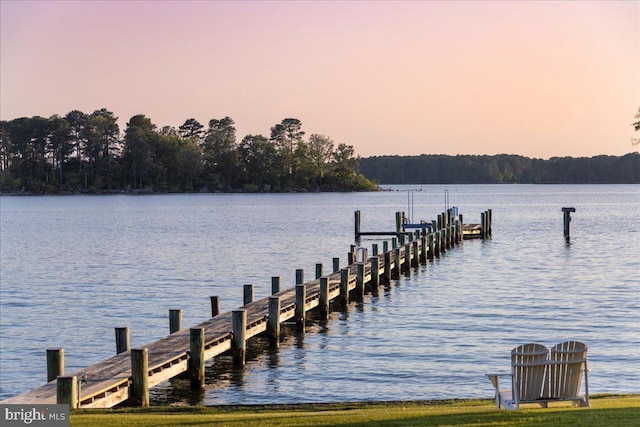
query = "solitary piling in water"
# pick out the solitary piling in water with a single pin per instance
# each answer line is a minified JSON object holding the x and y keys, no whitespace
{"x":55,"y":363}
{"x":567,"y":222}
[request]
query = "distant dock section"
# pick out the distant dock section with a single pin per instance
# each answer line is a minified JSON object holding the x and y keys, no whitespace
{"x":127,"y":377}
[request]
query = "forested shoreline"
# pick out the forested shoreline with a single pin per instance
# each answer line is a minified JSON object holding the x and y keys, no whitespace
{"x":503,"y":168}
{"x":87,"y":153}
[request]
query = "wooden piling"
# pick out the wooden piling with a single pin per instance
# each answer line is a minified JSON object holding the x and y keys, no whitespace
{"x":273,"y":325}
{"x":215,"y":305}
{"x":431,"y":243}
{"x":55,"y":363}
{"x":319,"y":270}
{"x":374,"y":249}
{"x":299,"y":276}
{"x":324,"y":297}
{"x":399,"y":216}
{"x":344,"y":285}
{"x":490,"y":214}
{"x":175,"y":320}
{"x":275,"y":285}
{"x":357,"y":225}
{"x":397,"y":262}
{"x":139,"y":389}
{"x":483,"y":222}
{"x":247,"y":294}
{"x":360,"y":278}
{"x":567,"y":222}
{"x":196,"y":361}
{"x":424,"y":250}
{"x":336,"y":264}
{"x":122,"y":339}
{"x":375,"y":272}
{"x":67,"y":391}
{"x":301,"y":296}
{"x":385,"y":246}
{"x":239,"y":343}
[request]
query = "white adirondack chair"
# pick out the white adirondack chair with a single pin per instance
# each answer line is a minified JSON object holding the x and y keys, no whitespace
{"x":567,"y":363}
{"x":528,"y":374}
{"x":539,"y":376}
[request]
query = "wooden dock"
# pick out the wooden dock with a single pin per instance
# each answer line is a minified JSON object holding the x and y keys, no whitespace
{"x":127,"y":376}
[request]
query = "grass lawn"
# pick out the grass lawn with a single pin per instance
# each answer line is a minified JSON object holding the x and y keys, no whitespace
{"x":623,"y":411}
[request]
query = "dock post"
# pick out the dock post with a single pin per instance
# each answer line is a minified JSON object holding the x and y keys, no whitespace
{"x":273,"y":326}
{"x":387,"y":264}
{"x":351,"y":257}
{"x":215,"y":305}
{"x":275,"y":285}
{"x":397,"y":263}
{"x":336,"y":265}
{"x":357,"y":226}
{"x":416,"y":254}
{"x":122,"y":339}
{"x":436,"y":246}
{"x":301,"y":296}
{"x":139,"y":390}
{"x":430,"y":241}
{"x":399,"y":216}
{"x":344,"y":285}
{"x":55,"y":363}
{"x":239,"y":344}
{"x":175,"y":320}
{"x":196,"y":362}
{"x":394,"y":242}
{"x":319,"y":270}
{"x":375,"y":272}
{"x":247,"y":294}
{"x":567,"y":222}
{"x":67,"y":391}
{"x":483,"y":220}
{"x":360,"y":278}
{"x":425,"y":249}
{"x":490,"y":213}
{"x":374,"y":249}
{"x":324,"y":297}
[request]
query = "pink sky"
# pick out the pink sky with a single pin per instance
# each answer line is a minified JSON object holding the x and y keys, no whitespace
{"x":539,"y":79}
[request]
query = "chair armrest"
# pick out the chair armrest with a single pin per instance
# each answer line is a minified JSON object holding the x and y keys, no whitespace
{"x":494,"y":379}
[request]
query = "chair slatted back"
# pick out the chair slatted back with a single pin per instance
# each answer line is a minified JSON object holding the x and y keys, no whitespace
{"x":529,"y":370}
{"x":565,"y":378}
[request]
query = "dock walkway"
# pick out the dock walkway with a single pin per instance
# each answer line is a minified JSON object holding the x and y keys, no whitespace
{"x":118,"y":379}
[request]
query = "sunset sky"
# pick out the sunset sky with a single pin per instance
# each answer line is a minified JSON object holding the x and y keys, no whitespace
{"x":539,"y":79}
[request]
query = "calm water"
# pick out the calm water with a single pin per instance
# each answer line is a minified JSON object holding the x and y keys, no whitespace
{"x":75,"y":267}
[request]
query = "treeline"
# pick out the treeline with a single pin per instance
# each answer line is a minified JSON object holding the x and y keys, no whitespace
{"x":82,"y":152}
{"x":503,"y":168}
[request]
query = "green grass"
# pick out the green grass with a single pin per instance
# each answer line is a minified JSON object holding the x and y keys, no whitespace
{"x":609,"y":411}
